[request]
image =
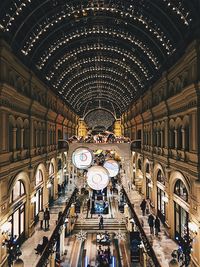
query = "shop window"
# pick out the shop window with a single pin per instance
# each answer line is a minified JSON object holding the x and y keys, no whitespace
{"x":38,"y":177}
{"x":161,"y":204}
{"x":180,"y":190}
{"x":51,"y":169}
{"x":18,"y":190}
{"x":139,"y":164}
{"x":147,"y":168}
{"x":181,"y":219}
{"x":160,"y":177}
{"x":59,"y":164}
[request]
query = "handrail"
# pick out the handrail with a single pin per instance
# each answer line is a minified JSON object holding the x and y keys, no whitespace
{"x":54,"y":237}
{"x":145,"y":240}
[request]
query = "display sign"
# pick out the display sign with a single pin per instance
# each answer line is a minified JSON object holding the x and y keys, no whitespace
{"x":112,"y":166}
{"x":97,"y":177}
{"x":82,"y":158}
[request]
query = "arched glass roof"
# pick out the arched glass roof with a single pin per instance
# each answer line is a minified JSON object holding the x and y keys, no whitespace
{"x":99,"y":52}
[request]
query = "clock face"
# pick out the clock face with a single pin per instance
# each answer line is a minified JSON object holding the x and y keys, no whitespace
{"x":97,"y":177}
{"x":82,"y":158}
{"x":112,"y":167}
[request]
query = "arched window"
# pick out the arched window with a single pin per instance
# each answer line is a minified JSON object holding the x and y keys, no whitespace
{"x":180,"y":190}
{"x":139,"y":164}
{"x":179,"y":138}
{"x":160,"y":177}
{"x":18,"y":190}
{"x":38,"y":177}
{"x":147,"y":168}
{"x":51,"y":169}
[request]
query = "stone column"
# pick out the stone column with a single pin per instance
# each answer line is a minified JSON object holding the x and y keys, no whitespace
{"x":183,"y":138}
{"x":14,"y":138}
{"x":161,"y":138}
{"x":22,"y":138}
{"x":176,"y":139}
{"x":157,"y":138}
{"x":36,"y":138}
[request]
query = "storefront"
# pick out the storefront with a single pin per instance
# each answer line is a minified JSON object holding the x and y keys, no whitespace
{"x":17,"y":218}
{"x":149,"y":183}
{"x":38,"y":204}
{"x":161,"y":197}
{"x":50,"y":184}
{"x":181,"y":208}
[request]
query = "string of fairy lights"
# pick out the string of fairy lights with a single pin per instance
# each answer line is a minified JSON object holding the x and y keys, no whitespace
{"x":100,"y":30}
{"x":109,"y":73}
{"x":98,"y":47}
{"x":18,"y":6}
{"x":85,"y":47}
{"x":101,"y":60}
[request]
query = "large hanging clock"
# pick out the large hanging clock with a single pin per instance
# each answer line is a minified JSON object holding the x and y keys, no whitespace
{"x":82,"y":158}
{"x":97,"y":177}
{"x":112,"y":166}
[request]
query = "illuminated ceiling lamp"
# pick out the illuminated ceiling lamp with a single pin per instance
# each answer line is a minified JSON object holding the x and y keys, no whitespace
{"x":97,"y":177}
{"x":112,"y":167}
{"x":82,"y":158}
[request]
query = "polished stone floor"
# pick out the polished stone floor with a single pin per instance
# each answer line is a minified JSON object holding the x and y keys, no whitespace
{"x":162,"y":245}
{"x":28,"y":253}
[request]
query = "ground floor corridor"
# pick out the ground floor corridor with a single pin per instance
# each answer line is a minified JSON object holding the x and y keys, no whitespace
{"x":84,"y":241}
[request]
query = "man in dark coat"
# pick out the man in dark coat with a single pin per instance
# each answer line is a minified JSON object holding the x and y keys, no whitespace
{"x":46,"y":218}
{"x":157,"y":226}
{"x":151,"y":223}
{"x":143,"y":206}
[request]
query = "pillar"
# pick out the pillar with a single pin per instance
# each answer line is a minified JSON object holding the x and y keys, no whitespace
{"x":176,"y":139}
{"x":14,"y":138}
{"x":183,"y":138}
{"x":22,"y":138}
{"x":161,"y":138}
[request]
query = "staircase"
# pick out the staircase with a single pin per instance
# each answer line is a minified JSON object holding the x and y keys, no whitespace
{"x":91,"y":225}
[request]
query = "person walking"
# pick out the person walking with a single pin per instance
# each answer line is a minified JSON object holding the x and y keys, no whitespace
{"x":151,"y":223}
{"x":46,"y":218}
{"x":143,"y":206}
{"x":41,"y":218}
{"x":157,"y":226}
{"x":101,"y":222}
{"x":99,"y":218}
{"x":88,"y":207}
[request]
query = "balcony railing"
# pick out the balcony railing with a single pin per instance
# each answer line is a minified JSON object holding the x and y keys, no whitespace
{"x":49,"y":249}
{"x":145,"y":240}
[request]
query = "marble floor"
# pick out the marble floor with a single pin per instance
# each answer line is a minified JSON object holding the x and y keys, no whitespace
{"x":28,"y":253}
{"x":162,"y":245}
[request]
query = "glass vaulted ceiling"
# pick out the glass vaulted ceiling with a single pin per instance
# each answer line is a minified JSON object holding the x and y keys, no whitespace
{"x":99,"y":53}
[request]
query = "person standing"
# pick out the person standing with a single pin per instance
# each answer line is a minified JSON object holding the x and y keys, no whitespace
{"x":41,"y":218}
{"x":157,"y":226}
{"x":101,"y":222}
{"x":88,"y":206}
{"x":143,"y":206}
{"x":151,"y":223}
{"x":46,"y":218}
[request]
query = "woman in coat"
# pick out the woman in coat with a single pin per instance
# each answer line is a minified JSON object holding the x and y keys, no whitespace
{"x":157,"y":226}
{"x":151,"y":223}
{"x":41,"y":218}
